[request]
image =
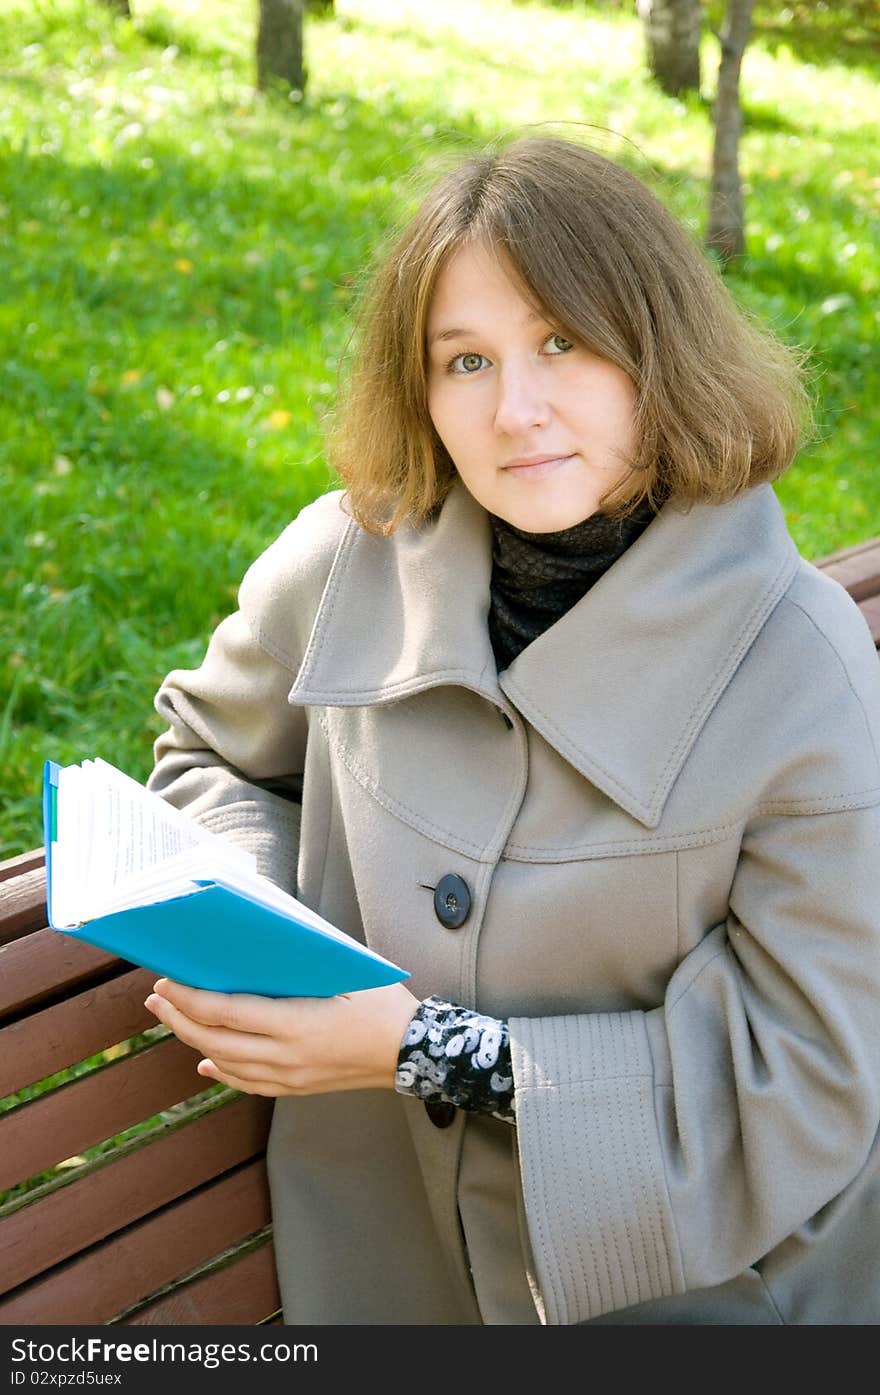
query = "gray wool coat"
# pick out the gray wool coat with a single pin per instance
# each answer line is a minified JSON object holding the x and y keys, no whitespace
{"x":667,"y":813}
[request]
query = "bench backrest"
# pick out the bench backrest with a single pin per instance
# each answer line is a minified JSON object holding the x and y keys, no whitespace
{"x":858,"y":570}
{"x":167,"y":1225}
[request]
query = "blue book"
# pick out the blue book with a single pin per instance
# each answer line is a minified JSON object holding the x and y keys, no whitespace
{"x":136,"y":877}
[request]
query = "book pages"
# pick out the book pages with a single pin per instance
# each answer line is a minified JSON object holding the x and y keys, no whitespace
{"x":119,"y":843}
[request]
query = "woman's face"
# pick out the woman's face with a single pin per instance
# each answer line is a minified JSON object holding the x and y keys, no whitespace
{"x":538,"y":428}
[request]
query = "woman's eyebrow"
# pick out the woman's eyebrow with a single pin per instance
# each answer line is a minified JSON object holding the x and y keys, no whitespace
{"x":459,"y":333}
{"x":449,"y":334}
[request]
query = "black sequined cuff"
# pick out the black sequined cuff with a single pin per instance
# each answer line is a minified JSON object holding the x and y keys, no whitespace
{"x":462,"y":1057}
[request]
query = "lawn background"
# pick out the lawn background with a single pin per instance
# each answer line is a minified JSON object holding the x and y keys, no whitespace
{"x":179,"y":256}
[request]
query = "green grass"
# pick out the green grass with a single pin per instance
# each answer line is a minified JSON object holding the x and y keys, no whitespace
{"x":178,"y":256}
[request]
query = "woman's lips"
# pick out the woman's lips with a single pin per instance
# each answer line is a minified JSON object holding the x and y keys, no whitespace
{"x":540,"y":469}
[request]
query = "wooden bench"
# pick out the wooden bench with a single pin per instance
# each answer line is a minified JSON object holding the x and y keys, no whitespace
{"x":170,"y":1225}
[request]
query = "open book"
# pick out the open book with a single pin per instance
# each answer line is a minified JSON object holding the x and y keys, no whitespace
{"x":128,"y":872}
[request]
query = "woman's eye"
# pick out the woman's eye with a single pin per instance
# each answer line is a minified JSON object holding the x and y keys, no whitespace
{"x":469,"y":363}
{"x":559,"y":344}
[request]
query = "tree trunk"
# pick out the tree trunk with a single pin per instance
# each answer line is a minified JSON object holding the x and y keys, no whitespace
{"x":672,"y":38}
{"x":280,"y":44}
{"x":726,"y":231}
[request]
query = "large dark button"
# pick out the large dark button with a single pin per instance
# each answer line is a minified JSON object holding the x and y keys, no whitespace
{"x":452,"y":901}
{"x":440,"y":1112}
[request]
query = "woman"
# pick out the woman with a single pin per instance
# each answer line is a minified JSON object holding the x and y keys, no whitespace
{"x":576,"y":737}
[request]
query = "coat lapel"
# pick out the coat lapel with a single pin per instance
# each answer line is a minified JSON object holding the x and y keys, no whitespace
{"x":620,"y":686}
{"x":405,"y":613}
{"x":623,"y":688}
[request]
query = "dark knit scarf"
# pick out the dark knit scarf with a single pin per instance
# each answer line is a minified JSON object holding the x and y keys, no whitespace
{"x":537,"y":577}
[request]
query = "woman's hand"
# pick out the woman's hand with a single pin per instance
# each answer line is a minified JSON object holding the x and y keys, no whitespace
{"x":290,"y":1046}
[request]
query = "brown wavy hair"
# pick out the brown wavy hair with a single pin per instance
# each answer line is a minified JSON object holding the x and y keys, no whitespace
{"x":721,"y":404}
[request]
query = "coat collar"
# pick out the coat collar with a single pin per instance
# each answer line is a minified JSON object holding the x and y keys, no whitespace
{"x":620,"y":685}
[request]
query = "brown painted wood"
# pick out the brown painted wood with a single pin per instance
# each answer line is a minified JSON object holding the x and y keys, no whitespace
{"x":70,"y":1031}
{"x":146,"y":1257}
{"x":24,"y":862}
{"x":857,"y":568}
{"x":240,"y":1294}
{"x":42,"y":966}
{"x":65,"y":1121}
{"x":870,"y":608}
{"x":175,"y":1159}
{"x":22,"y":902}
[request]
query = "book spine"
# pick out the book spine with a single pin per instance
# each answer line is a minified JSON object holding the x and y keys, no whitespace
{"x":51,"y":772}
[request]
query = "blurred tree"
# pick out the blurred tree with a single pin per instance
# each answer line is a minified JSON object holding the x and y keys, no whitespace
{"x":122,"y":7}
{"x":672,"y":40}
{"x":726,"y":216}
{"x":321,"y":7}
{"x":280,"y":44}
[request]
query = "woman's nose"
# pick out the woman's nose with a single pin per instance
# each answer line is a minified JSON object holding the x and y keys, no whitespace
{"x":522,"y":401}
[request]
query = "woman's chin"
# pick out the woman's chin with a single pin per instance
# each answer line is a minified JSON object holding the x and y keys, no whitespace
{"x":547,"y":519}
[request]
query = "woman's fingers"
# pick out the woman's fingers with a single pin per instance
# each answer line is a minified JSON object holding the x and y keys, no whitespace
{"x":289,"y":1046}
{"x":242,"y":1012}
{"x":227,"y":1043}
{"x":226,"y":1075}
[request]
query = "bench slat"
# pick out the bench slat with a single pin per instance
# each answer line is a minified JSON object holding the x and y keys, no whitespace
{"x":22,"y":902}
{"x":15,"y":866}
{"x":240,"y":1294}
{"x":175,"y":1160}
{"x":65,"y":1121}
{"x":857,"y":568}
{"x":68,"y":1032}
{"x":144,"y":1258}
{"x":870,"y":608}
{"x":43,"y":965}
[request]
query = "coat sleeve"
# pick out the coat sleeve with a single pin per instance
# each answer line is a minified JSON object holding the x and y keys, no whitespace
{"x":234,"y":751}
{"x":668,"y":1150}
